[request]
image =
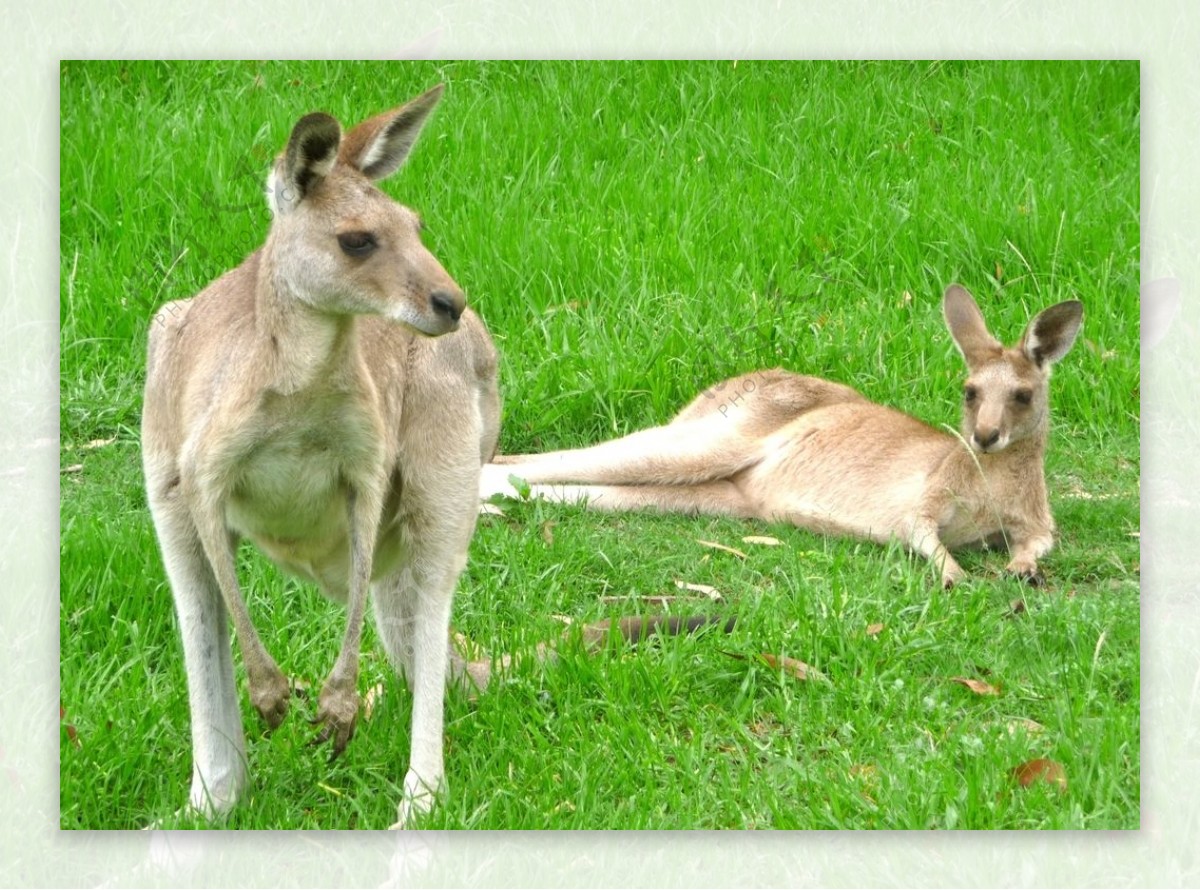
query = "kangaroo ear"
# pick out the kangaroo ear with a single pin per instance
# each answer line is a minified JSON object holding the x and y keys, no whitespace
{"x":307,"y":160}
{"x":378,"y":147}
{"x":967,"y":326}
{"x":1052,"y":332}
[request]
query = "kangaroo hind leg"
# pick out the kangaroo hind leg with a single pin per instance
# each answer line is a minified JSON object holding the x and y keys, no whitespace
{"x":718,"y":498}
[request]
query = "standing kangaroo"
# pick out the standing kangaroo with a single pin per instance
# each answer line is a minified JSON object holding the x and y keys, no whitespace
{"x":781,"y":446}
{"x":332,"y":400}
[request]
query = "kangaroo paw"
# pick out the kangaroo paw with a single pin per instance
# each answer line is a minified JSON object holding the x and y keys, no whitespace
{"x":337,"y":714}
{"x":269,"y":693}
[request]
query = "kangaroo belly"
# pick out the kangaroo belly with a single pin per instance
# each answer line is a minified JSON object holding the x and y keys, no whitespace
{"x":969,"y":520}
{"x":854,"y":469}
{"x":290,"y":499}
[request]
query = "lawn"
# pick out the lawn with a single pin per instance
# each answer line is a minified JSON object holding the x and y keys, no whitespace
{"x":633,"y":233}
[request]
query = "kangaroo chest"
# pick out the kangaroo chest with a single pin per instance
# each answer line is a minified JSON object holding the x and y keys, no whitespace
{"x":988,"y":502}
{"x":291,"y":486}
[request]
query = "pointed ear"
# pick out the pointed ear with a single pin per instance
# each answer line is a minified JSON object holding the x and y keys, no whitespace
{"x":1052,"y":332}
{"x":967,"y":326}
{"x":307,"y":160}
{"x":378,"y":147}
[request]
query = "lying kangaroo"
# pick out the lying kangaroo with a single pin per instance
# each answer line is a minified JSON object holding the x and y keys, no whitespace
{"x":780,"y":446}
{"x":331,"y":400}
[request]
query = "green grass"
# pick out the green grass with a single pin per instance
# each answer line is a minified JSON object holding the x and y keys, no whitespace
{"x":633,"y":233}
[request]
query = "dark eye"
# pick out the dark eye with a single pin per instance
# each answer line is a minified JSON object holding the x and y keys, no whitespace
{"x":970,"y":393}
{"x":1023,"y":396}
{"x":356,"y":243}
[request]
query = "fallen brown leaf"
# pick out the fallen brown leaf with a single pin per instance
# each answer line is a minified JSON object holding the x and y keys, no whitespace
{"x":1042,"y":770}
{"x":764,"y":540}
{"x":873,"y":630}
{"x":469,"y":649}
{"x":977,"y":686}
{"x":711,"y":592}
{"x":793,"y":666}
{"x":72,"y":734}
{"x":765,"y":727}
{"x":74,"y":468}
{"x":548,"y":531}
{"x":374,"y":694}
{"x":654,"y":600}
{"x":1030,"y":726}
{"x":97,"y":443}
{"x":738,"y":553}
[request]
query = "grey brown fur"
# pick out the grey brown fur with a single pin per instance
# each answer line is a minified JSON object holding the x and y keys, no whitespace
{"x":782,"y":446}
{"x":331,"y":400}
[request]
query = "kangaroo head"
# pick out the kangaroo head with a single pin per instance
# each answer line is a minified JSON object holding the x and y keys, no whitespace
{"x":341,"y":245}
{"x":1006,"y":395}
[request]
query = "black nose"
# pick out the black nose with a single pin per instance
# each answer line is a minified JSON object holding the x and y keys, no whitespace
{"x":986,"y":440}
{"x":447,"y":303}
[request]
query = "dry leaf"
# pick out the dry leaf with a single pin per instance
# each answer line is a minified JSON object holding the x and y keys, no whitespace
{"x":655,"y":600}
{"x":976,"y":686}
{"x":72,"y":734}
{"x":765,"y":540}
{"x":766,"y":727}
{"x":548,"y":531}
{"x":374,"y":694}
{"x":793,"y":666}
{"x":466,"y":647}
{"x":1042,"y":770}
{"x":74,"y":468}
{"x":490,"y":509}
{"x":97,"y":443}
{"x":1017,"y":606}
{"x":570,"y":306}
{"x":1030,"y":726}
{"x":739,"y":554}
{"x":711,"y":592}
{"x":873,"y":630}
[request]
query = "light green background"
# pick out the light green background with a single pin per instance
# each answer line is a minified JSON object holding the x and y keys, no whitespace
{"x":1165,"y":35}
